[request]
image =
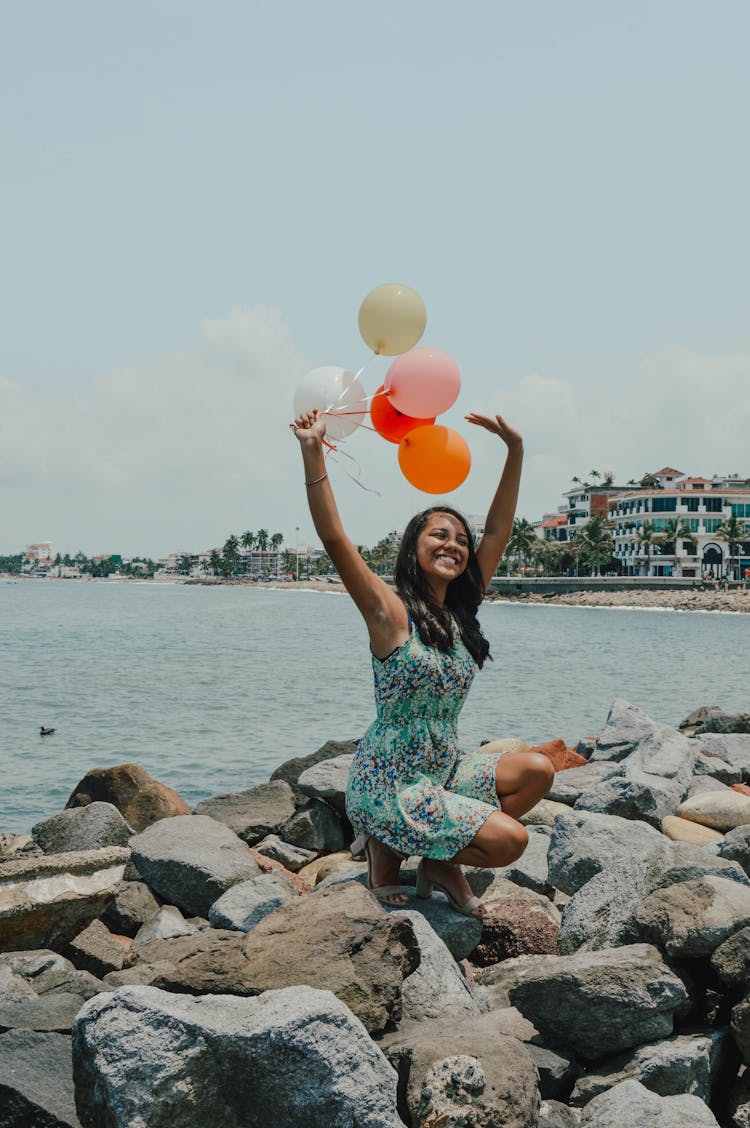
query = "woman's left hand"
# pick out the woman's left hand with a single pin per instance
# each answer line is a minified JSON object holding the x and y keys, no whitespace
{"x":496,"y":425}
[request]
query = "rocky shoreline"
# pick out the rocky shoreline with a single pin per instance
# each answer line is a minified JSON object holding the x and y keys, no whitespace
{"x":227,"y":966}
{"x":699,"y":600}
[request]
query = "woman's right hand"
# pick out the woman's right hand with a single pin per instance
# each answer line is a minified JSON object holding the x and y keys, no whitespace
{"x":309,"y":426}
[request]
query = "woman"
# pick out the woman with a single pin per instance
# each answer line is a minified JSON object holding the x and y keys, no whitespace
{"x":411,"y":791}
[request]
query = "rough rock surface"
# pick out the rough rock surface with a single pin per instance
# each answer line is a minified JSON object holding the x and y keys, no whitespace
{"x":327,"y":780}
{"x":270,"y":865}
{"x":736,"y":847}
{"x":720,"y":721}
{"x":517,"y":923}
{"x":592,"y":1003}
{"x":684,"y":830}
{"x":692,"y":918}
{"x":290,"y":857}
{"x":583,"y":844}
{"x":254,"y":813}
{"x":570,"y":784}
{"x":732,"y":747}
{"x":631,"y":1105}
{"x":131,"y":907}
{"x":206,"y":962}
{"x":140,"y":799}
{"x":531,"y":870}
{"x":96,"y":950}
{"x":560,"y":756}
{"x":721,"y":810}
{"x":315,"y":826}
{"x":191,"y":860}
{"x":436,"y":987}
{"x":291,"y":770}
{"x":48,"y":972}
{"x":731,"y":961}
{"x":740,"y":1022}
{"x":45,"y":901}
{"x":166,"y":923}
{"x":36,"y":1081}
{"x":242,"y":906}
{"x":22,"y":1009}
{"x":82,"y":828}
{"x":298,"y":1056}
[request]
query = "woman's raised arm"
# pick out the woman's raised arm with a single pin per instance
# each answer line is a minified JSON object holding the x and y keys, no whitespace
{"x":499,"y":523}
{"x":382,"y":610}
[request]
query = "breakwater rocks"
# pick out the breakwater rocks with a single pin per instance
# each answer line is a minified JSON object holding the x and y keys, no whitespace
{"x":229,"y":967}
{"x":710,"y":600}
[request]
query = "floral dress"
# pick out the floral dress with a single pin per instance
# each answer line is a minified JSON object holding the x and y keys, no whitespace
{"x":409,"y":784}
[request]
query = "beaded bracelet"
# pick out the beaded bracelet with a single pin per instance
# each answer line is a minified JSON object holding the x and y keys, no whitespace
{"x":316,"y":480}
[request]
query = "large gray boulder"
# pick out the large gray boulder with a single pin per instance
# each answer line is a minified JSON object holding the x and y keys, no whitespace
{"x":583,"y":844}
{"x":254,"y":813}
{"x":293,"y":858}
{"x":732,"y":747}
{"x":82,"y":828}
{"x":36,"y":1081}
{"x":45,"y":901}
{"x":327,"y":780}
{"x":592,"y":1003}
{"x":569,"y":784}
{"x":740,"y":1023}
{"x":190,"y":860}
{"x":731,"y":961}
{"x":315,"y":826}
{"x":166,"y":924}
{"x":437,"y":987}
{"x":244,"y":905}
{"x":685,"y":1063}
{"x":735,"y":847}
{"x":298,"y":1056}
{"x":132,"y":906}
{"x":291,"y":770}
{"x":497,"y":1085}
{"x":631,"y":1105}
{"x":692,"y":918}
{"x":721,"y":721}
{"x":48,"y":972}
{"x":97,"y":951}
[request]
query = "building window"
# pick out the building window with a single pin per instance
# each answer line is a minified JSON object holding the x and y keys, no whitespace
{"x":689,"y":547}
{"x":714,"y":504}
{"x":692,"y":504}
{"x":711,"y":524}
{"x":664,"y":504}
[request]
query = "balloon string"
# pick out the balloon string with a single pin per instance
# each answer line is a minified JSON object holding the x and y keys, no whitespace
{"x":362,"y":486}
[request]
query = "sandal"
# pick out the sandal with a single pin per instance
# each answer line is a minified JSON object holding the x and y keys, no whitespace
{"x":425,"y":887}
{"x":383,"y":892}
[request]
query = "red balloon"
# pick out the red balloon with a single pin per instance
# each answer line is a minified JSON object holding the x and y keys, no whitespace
{"x":434,"y":459}
{"x":389,"y":422}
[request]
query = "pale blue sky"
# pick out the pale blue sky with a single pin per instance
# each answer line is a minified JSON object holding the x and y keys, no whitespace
{"x":197,"y":197}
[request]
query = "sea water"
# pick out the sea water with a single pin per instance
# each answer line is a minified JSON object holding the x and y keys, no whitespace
{"x":209,"y":688}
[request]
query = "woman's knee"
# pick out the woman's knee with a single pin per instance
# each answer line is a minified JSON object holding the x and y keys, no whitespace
{"x":540,"y":770}
{"x":509,"y":839}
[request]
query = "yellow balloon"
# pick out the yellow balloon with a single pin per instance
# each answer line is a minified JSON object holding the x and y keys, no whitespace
{"x":392,"y":319}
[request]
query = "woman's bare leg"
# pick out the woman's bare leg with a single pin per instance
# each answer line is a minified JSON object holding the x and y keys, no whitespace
{"x":384,"y":870}
{"x":521,"y":780}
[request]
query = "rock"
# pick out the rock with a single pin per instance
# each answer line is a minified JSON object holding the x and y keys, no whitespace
{"x":740,"y":1024}
{"x":11,"y":845}
{"x":556,"y":1073}
{"x":731,"y":961}
{"x":583,"y":844}
{"x":719,"y":721}
{"x":316,"y":826}
{"x":203,"y":963}
{"x":592,"y":1003}
{"x":531,"y":870}
{"x":47,"y":972}
{"x":45,"y":901}
{"x":684,"y":1063}
{"x":518,"y":923}
{"x":436,"y":987}
{"x":291,"y":857}
{"x":133,"y":905}
{"x":143,"y":1056}
{"x":291,"y":770}
{"x":631,"y":1105}
{"x":684,"y":830}
{"x":270,"y":865}
{"x":732,"y":747}
{"x":692,"y":918}
{"x":254,"y":813}
{"x":570,"y":784}
{"x":694,"y":720}
{"x":735,"y":847}
{"x":501,"y":1089}
{"x":82,"y":828}
{"x":339,"y":939}
{"x":553,"y":1114}
{"x":97,"y":951}
{"x":738,"y":1104}
{"x":191,"y":860}
{"x":559,"y":755}
{"x":327,"y":780}
{"x":36,"y":1081}
{"x":743,"y":788}
{"x":625,"y":728}
{"x":22,"y":1009}
{"x":722,"y":810}
{"x":140,"y":799}
{"x":717,"y":768}
{"x":320,"y":868}
{"x":166,"y":924}
{"x":508,"y":744}
{"x":543,"y":813}
{"x":242,"y":906}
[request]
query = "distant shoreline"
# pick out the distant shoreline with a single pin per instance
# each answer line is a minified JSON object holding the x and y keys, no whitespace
{"x":645,"y":600}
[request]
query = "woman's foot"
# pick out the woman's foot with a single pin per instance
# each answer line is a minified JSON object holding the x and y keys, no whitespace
{"x":383,"y":866}
{"x":450,"y":879}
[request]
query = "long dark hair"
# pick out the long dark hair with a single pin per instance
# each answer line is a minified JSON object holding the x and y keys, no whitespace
{"x":462,"y":599}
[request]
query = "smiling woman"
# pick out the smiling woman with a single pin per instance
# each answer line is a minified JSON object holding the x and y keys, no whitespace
{"x":411,"y":790}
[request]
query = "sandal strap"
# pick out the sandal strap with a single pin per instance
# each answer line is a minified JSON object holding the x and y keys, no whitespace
{"x":381,"y":891}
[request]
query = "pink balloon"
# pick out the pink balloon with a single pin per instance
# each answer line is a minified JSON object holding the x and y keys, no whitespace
{"x":423,"y":382}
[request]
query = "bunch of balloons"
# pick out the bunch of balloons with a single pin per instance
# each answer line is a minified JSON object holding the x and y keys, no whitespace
{"x":420,"y":384}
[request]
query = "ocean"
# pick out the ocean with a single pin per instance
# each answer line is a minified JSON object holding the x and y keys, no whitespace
{"x":209,"y":688}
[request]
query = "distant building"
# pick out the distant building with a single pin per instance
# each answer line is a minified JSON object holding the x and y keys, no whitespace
{"x":701,"y":506}
{"x":582,"y":503}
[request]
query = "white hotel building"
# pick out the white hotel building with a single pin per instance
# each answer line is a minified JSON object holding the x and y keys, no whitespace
{"x":701,"y":505}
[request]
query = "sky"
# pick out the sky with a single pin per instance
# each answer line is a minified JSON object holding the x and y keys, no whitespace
{"x":196,"y":199}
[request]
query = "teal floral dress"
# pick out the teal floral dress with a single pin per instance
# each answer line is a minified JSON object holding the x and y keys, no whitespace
{"x":409,"y":785}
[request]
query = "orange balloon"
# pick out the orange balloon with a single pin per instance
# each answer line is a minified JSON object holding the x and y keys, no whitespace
{"x":435,"y":459}
{"x":389,"y":422}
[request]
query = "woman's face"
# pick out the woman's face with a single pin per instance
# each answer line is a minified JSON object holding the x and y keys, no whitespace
{"x":442,"y":548}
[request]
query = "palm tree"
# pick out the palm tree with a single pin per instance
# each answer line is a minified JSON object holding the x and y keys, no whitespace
{"x":596,"y":543}
{"x":647,"y":537}
{"x":521,"y":541}
{"x":261,"y":539}
{"x":247,"y":540}
{"x":214,"y":561}
{"x":735,"y":533}
{"x":276,"y":541}
{"x":230,"y":554}
{"x":609,"y":478}
{"x":674,"y":529}
{"x":185,"y":564}
{"x":594,"y":473}
{"x":649,"y":482}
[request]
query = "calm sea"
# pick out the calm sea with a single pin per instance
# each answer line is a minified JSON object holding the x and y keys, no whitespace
{"x":210,"y":688}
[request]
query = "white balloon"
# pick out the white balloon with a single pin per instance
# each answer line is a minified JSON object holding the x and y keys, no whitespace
{"x":337,"y":394}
